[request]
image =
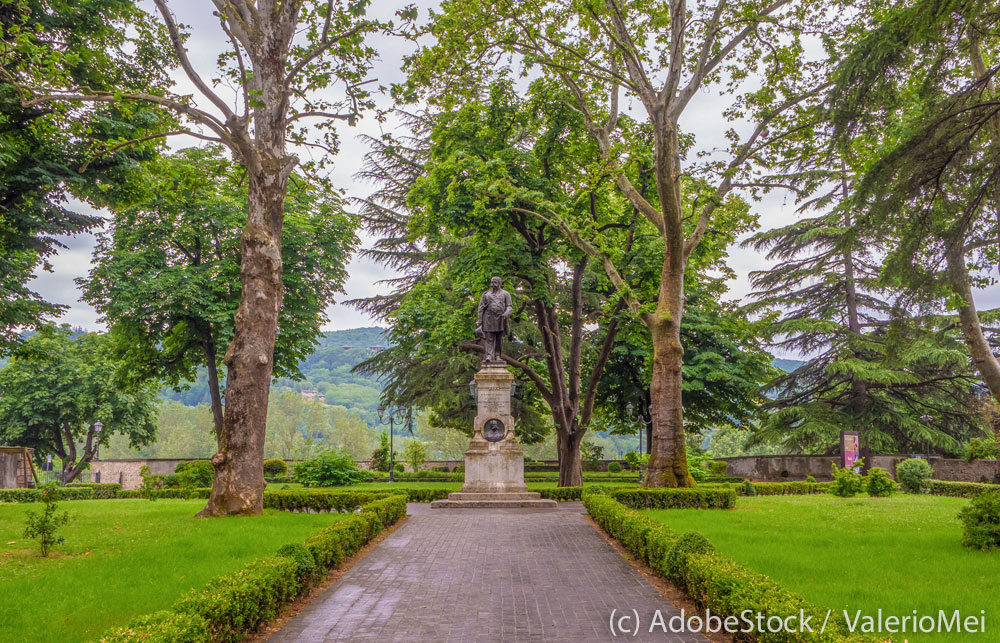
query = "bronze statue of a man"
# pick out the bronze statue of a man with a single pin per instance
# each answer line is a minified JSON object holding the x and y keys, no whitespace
{"x":495,"y":307}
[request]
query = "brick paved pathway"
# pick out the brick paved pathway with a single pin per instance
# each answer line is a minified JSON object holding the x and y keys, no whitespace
{"x":485,"y":575}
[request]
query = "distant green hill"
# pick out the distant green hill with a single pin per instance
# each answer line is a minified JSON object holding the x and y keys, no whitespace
{"x":788,"y":365}
{"x":327,"y":371}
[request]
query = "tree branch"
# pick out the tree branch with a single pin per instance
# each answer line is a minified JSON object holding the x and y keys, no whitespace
{"x":135,"y":141}
{"x":189,"y":70}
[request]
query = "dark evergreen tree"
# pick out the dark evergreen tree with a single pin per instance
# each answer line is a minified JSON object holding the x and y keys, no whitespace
{"x":902,"y":379}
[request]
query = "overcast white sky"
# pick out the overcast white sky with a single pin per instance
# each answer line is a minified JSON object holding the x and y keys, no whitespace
{"x":703,"y":119}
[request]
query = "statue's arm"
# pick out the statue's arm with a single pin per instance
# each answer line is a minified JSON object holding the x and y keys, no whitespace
{"x":482,"y":307}
{"x":510,"y":305}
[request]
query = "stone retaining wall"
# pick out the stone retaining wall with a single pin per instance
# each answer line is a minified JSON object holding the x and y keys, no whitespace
{"x":777,"y":468}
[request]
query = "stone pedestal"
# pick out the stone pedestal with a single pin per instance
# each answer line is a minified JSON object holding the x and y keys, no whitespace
{"x":494,"y":462}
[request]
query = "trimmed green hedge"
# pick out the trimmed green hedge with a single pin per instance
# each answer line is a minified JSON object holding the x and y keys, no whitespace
{"x":173,"y":493}
{"x":102,"y":490}
{"x":960,"y":489}
{"x":35,"y":495}
{"x":234,"y":605}
{"x":319,"y":500}
{"x":419,"y":495}
{"x":716,"y":583}
{"x":562,"y":494}
{"x":694,"y":498}
{"x":787,"y":488}
{"x":162,"y":627}
{"x":722,"y":479}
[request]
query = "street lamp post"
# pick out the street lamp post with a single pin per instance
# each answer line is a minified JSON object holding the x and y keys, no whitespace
{"x":391,"y":417}
{"x":98,"y":426}
{"x":640,"y":421}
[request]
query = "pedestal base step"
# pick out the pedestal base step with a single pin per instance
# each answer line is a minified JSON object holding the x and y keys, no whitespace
{"x":514,"y":500}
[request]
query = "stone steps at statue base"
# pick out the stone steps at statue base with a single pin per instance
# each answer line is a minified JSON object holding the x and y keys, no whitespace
{"x":510,"y":500}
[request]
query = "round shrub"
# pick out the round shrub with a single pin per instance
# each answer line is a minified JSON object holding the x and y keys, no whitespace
{"x":810,"y":478}
{"x":879,"y":483}
{"x":275,"y":468}
{"x":306,"y":564}
{"x":614,"y":467}
{"x":399,"y":468}
{"x":692,"y":542}
{"x":981,"y":521}
{"x":749,"y":489}
{"x":914,"y":475}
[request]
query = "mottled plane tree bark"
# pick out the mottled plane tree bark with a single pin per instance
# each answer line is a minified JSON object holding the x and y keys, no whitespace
{"x":293,"y":63}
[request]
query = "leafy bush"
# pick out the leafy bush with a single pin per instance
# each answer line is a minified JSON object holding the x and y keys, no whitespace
{"x":697,"y":498}
{"x":334,"y":468}
{"x":193,"y":474}
{"x":150,"y":483}
{"x":749,"y":489}
{"x":161,"y":627}
{"x":697,"y":465}
{"x":380,"y":456}
{"x":275,"y":468}
{"x":632,"y":460}
{"x":983,"y":449}
{"x":717,"y":467}
{"x":847,"y":482}
{"x":879,"y":484}
{"x":44,"y":527}
{"x":399,"y":468}
{"x":810,"y":478}
{"x":981,"y":522}
{"x":914,"y":475}
{"x":614,"y":467}
{"x":591,"y":455}
{"x":440,"y":468}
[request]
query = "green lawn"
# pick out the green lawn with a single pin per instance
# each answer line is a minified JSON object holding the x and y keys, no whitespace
{"x":124,"y":558}
{"x":899,"y":554}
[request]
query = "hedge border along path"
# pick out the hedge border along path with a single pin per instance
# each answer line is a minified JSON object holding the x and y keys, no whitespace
{"x":234,"y":605}
{"x":713,"y":582}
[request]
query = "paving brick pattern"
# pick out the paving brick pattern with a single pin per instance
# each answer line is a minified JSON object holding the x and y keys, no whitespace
{"x":485,"y":575}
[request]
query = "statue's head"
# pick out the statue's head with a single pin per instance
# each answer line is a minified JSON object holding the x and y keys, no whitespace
{"x":495,"y":283}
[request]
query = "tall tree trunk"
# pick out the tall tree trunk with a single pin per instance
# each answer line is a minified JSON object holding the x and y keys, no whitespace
{"x":859,"y":388}
{"x":667,"y":465}
{"x":214,"y":393}
{"x":568,"y":448}
{"x":238,"y":486}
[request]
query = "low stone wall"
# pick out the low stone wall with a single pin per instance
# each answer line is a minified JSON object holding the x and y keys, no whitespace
{"x":777,"y":468}
{"x":126,"y":472}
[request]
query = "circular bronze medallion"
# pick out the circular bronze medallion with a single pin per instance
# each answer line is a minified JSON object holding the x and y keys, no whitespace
{"x":494,"y":430}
